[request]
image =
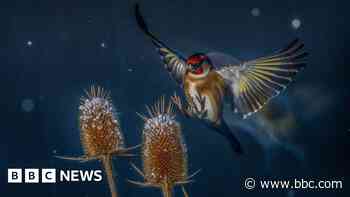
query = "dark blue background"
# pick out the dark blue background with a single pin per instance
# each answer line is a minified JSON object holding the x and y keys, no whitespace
{"x":66,"y":57}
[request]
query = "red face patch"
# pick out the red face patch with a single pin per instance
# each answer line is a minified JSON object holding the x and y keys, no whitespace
{"x":195,"y":59}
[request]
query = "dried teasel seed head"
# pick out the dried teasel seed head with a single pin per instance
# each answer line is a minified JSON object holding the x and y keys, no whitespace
{"x":100,"y":129}
{"x":164,"y":150}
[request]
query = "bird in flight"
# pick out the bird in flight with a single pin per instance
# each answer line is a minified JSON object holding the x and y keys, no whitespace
{"x":247,"y":85}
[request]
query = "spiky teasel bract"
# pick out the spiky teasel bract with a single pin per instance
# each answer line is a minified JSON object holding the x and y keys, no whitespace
{"x":100,"y":132}
{"x":100,"y":129}
{"x":164,"y":153}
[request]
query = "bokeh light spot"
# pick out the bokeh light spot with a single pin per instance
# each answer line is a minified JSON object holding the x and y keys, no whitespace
{"x":255,"y":12}
{"x":29,"y":43}
{"x":27,"y":105}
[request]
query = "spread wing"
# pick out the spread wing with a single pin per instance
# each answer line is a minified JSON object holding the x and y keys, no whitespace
{"x":254,"y":83}
{"x":173,"y":62}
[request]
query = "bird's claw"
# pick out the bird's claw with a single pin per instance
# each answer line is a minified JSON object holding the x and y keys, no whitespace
{"x":177,"y":101}
{"x":202,"y":112}
{"x":191,"y":108}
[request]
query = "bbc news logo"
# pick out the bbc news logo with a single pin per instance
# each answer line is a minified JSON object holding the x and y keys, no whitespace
{"x":51,"y":175}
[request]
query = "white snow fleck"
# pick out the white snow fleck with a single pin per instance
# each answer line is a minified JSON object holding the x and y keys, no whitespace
{"x":296,"y":23}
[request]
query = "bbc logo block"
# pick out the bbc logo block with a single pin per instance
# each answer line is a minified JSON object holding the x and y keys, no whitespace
{"x":31,"y":175}
{"x":48,"y":175}
{"x":14,"y":175}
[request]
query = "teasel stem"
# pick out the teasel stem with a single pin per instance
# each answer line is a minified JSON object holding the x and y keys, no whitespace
{"x":167,"y":189}
{"x":108,"y":166}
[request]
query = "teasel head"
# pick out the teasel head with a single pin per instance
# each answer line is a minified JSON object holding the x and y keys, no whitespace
{"x":99,"y":127}
{"x":164,"y":153}
{"x":100,"y":132}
